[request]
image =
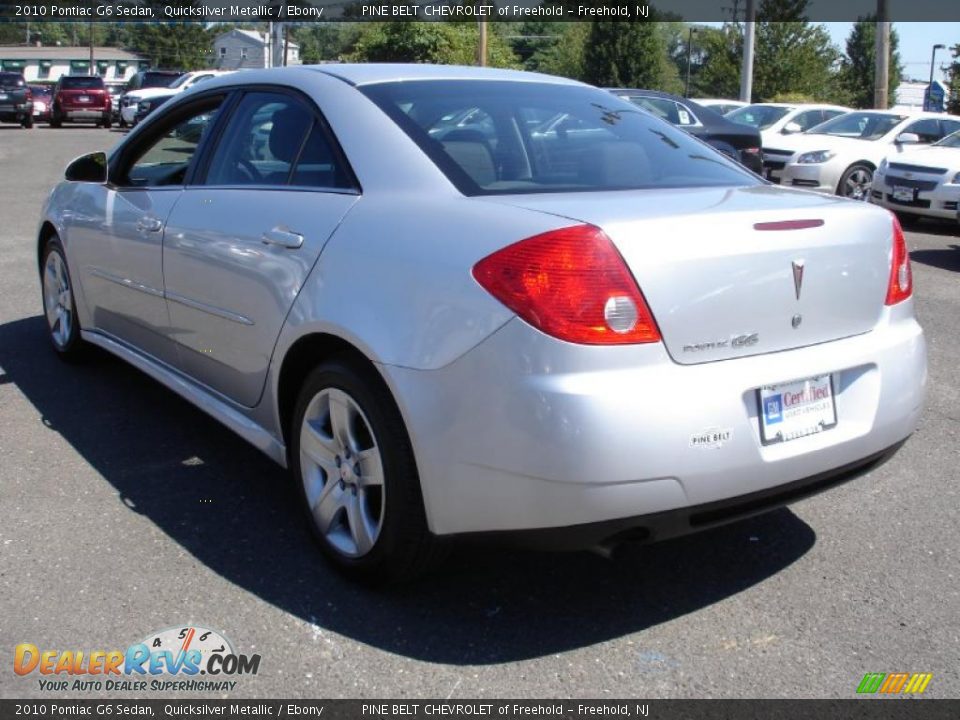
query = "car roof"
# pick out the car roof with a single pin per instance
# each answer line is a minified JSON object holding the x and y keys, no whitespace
{"x":370,"y":73}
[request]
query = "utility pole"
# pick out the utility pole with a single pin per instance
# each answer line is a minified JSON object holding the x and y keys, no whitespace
{"x":482,"y":44}
{"x":686,"y":86}
{"x":746,"y":67}
{"x":881,"y":87}
{"x":92,"y":70}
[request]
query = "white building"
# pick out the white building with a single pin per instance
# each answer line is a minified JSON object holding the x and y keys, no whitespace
{"x":240,"y":49}
{"x":48,"y":63}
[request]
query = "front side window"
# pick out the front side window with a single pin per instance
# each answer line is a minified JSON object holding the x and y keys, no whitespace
{"x":498,"y":137}
{"x":928,"y":130}
{"x":165,"y":159}
{"x":809,"y":119}
{"x":276,"y":139}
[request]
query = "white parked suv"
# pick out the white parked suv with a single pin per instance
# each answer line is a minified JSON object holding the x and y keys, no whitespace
{"x":841,"y":155}
{"x":132,"y":100}
{"x":922,"y":181}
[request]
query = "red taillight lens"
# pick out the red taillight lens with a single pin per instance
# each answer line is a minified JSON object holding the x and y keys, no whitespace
{"x":900,"y":286}
{"x":572,"y":284}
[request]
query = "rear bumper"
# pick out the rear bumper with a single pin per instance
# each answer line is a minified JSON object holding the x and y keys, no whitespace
{"x":655,"y":527}
{"x":85,"y":114}
{"x":526,"y":432}
{"x":9,"y":113}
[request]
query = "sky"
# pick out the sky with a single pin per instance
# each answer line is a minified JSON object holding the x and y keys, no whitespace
{"x":916,"y":42}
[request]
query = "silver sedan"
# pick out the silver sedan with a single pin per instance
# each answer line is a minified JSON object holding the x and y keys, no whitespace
{"x":458,"y":301}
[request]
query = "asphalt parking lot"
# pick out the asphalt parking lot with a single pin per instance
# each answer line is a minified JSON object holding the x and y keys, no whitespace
{"x":123,"y":510}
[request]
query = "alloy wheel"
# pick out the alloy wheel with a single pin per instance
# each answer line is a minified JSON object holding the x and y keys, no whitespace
{"x":57,"y":299}
{"x":342,"y":472}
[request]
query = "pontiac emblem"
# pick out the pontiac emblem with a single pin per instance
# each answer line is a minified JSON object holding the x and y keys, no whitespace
{"x":798,"y":276}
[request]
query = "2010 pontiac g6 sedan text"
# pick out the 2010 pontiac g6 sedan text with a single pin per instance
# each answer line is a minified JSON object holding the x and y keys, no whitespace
{"x":458,"y":300}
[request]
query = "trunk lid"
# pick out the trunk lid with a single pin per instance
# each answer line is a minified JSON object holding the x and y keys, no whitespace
{"x":719,"y":287}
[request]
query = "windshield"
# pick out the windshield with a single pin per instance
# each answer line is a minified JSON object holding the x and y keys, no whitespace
{"x":11,"y":80}
{"x":81,"y":82}
{"x":159,"y":80}
{"x":859,"y":125}
{"x":759,"y":116}
{"x":950,"y":141}
{"x":500,"y":137}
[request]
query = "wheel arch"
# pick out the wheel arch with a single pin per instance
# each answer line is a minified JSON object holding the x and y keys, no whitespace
{"x":304,"y":355}
{"x":47,"y":231}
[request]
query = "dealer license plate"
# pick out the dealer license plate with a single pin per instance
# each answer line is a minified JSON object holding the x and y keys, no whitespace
{"x":83,"y":98}
{"x":796,"y":409}
{"x":904,"y":194}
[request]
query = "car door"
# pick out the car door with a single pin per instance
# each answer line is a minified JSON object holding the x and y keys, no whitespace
{"x":240,"y":243}
{"x":117,"y":234}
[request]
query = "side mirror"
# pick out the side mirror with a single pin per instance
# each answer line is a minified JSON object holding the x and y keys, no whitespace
{"x":791,"y":127}
{"x":907,"y":138}
{"x":90,"y":168}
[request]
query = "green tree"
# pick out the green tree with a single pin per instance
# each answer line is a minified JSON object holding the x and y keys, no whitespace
{"x":953,"y":79}
{"x":564,"y":56}
{"x":717,"y":74}
{"x":184,"y":46}
{"x":428,"y":42}
{"x":325,"y":41}
{"x":625,"y":54}
{"x":792,"y":55}
{"x":858,"y":66}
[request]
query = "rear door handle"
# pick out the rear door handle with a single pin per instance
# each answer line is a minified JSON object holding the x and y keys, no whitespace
{"x":282,"y":237}
{"x":149,"y":224}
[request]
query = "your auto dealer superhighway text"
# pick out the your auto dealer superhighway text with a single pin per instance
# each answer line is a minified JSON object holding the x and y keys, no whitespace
{"x":462,"y":709}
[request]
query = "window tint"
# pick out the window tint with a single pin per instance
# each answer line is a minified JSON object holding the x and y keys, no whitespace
{"x":759,"y":116}
{"x":860,"y":125}
{"x":548,"y":138}
{"x":164,"y":161}
{"x":928,"y":129}
{"x":275,"y":139}
{"x":950,"y":126}
{"x":11,"y":80}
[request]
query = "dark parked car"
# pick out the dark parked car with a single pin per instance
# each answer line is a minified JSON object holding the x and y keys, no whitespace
{"x":81,"y":98}
{"x":16,"y":101}
{"x":42,"y":100}
{"x":143,"y":79}
{"x":741,"y":142}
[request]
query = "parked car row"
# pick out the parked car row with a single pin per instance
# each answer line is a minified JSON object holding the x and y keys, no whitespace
{"x":91,"y":99}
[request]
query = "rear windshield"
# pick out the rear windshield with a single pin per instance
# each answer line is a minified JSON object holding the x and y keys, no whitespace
{"x":502,"y":137}
{"x":759,"y":116}
{"x":81,"y":82}
{"x":11,"y":80}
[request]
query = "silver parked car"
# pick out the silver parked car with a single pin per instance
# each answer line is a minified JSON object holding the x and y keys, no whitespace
{"x":448,"y":315}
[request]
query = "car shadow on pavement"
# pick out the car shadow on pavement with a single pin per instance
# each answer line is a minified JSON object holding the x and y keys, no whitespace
{"x":947,"y":259}
{"x":234,"y":510}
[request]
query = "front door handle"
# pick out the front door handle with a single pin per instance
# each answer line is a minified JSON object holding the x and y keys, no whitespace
{"x":149,"y":224}
{"x":282,"y":237}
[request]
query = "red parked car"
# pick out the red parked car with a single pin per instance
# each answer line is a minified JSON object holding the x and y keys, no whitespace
{"x":81,"y":98}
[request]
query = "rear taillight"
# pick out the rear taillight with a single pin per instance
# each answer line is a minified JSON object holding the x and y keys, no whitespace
{"x":900,"y":286}
{"x":572,"y":284}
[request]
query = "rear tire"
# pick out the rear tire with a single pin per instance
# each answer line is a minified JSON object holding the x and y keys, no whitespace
{"x":55,"y":121}
{"x":357,"y":478}
{"x":108,"y":124}
{"x":59,"y":303}
{"x":856,"y":181}
{"x":28,"y":123}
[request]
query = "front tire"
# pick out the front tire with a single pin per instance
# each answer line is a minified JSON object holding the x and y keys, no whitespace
{"x":357,"y":478}
{"x":856,"y":181}
{"x":59,"y":303}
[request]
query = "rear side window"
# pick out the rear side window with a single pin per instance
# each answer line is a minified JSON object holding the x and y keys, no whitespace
{"x":81,"y":82}
{"x":498,"y":137}
{"x":275,"y":139}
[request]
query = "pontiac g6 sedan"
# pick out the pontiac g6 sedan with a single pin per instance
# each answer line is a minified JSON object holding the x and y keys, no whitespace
{"x":459,"y":301}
